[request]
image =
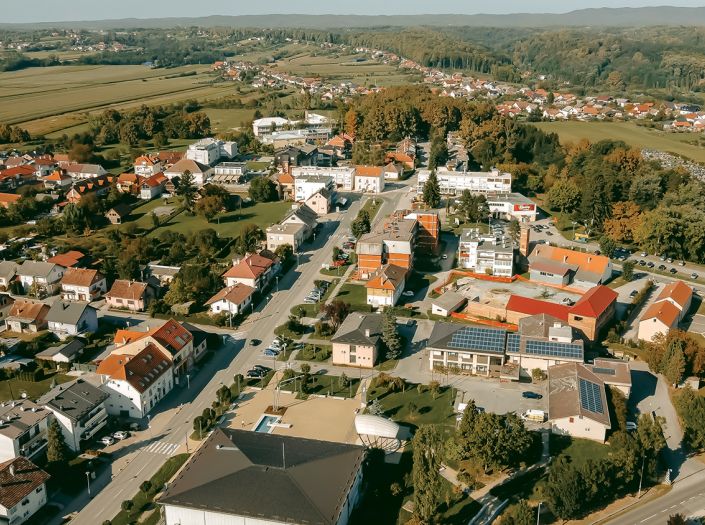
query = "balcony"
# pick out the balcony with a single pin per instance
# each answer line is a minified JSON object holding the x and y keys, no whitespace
{"x":95,"y":421}
{"x":34,"y":445}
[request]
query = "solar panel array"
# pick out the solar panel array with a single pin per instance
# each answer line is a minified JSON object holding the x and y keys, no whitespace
{"x":590,"y":397}
{"x":604,"y":371}
{"x":513,"y":341}
{"x":480,"y":339}
{"x":554,"y":349}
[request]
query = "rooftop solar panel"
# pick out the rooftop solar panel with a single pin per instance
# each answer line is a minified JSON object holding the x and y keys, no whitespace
{"x":590,"y":397}
{"x":554,"y":349}
{"x":480,"y":339}
{"x":513,"y":341}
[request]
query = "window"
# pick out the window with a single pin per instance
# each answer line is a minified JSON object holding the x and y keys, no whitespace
{"x":353,"y":358}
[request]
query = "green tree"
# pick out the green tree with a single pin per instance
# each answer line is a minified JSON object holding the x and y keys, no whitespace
{"x":74,"y":218}
{"x":336,"y":311}
{"x":57,"y":449}
{"x":595,"y":205}
{"x":514,"y":230}
{"x":187,"y":189}
{"x":432,"y":191}
{"x":565,"y":489}
{"x":607,"y":246}
{"x":210,"y":206}
{"x":564,"y":195}
{"x":674,"y":364}
{"x":691,"y":409}
{"x":438,"y":155}
{"x":628,"y":270}
{"x":390,"y":334}
{"x":519,"y":514}
{"x":427,"y":482}
{"x":676,"y":519}
{"x":361,"y":225}
{"x":262,"y":189}
{"x":284,"y":252}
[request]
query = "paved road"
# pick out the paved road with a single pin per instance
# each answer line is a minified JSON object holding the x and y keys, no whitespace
{"x":173,"y":423}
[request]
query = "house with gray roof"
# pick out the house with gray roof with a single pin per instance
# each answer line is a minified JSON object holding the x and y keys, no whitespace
{"x":23,"y":429}
{"x":239,"y":476}
{"x":68,"y":318}
{"x":358,"y":341}
{"x":65,"y":353}
{"x":8,"y":270}
{"x":44,"y":276}
{"x":79,"y":407}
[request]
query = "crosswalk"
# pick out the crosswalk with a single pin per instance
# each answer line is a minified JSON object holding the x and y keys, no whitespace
{"x":162,"y":447}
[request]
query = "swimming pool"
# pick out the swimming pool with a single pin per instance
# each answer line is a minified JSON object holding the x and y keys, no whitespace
{"x":266,"y":424}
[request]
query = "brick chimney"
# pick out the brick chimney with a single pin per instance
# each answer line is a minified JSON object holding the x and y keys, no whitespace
{"x":524,"y":241}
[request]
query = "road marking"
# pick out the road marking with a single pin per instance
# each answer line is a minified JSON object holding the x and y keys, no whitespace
{"x":161,"y":447}
{"x":647,"y":519}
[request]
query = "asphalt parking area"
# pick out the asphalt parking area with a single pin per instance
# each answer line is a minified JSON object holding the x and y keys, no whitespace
{"x":697,"y":324}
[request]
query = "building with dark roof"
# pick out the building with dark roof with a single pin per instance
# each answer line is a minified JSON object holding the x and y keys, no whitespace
{"x":358,"y":340}
{"x":23,"y":490}
{"x":79,"y":407}
{"x":240,"y":476}
{"x":23,"y":429}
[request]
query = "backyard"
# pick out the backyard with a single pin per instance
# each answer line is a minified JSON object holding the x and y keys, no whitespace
{"x":355,"y":294}
{"x":14,"y":388}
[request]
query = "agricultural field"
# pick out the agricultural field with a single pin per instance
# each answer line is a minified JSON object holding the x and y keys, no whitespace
{"x":629,"y":132}
{"x":45,"y":100}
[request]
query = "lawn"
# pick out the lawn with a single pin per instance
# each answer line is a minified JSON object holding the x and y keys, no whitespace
{"x":579,"y":450}
{"x":417,"y":408}
{"x":13,"y":388}
{"x":629,"y":132}
{"x":372,"y":206}
{"x":314,"y":353}
{"x":327,"y":385}
{"x":355,"y":294}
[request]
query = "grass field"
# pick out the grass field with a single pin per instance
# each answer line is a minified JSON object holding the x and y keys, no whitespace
{"x":13,"y":388}
{"x":353,"y":294}
{"x":49,"y":99}
{"x":676,"y":143}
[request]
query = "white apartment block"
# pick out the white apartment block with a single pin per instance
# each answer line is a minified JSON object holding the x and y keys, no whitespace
{"x":208,"y":151}
{"x":456,"y":182}
{"x":307,"y":185}
{"x":485,"y":254}
{"x":344,"y":176}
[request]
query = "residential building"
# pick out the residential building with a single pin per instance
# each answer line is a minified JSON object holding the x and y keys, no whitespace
{"x":664,"y":314}
{"x":39,"y":277}
{"x":23,"y":490}
{"x":447,"y":303}
{"x":73,"y":318}
{"x":344,"y":177}
{"x":320,"y":202}
{"x":369,"y":179}
{"x":146,"y":166}
{"x":118,"y":213}
{"x":562,"y":266}
{"x":291,"y":156}
{"x":130,"y":182}
{"x":8,"y":199}
{"x":428,"y":234}
{"x":305,"y":216}
{"x":23,"y":429}
{"x":97,"y":186}
{"x":70,"y":259}
{"x":136,"y":383}
{"x":456,"y":182}
{"x":231,"y":299}
{"x":385,"y":286}
{"x":79,"y":408}
{"x":393,"y":171}
{"x":85,"y":171}
{"x":292,"y":234}
{"x":392,"y":242}
{"x":64,"y":353}
{"x":467,"y":349}
{"x":165,"y":274}
{"x":614,"y":373}
{"x":232,"y":478}
{"x":286,"y":186}
{"x":577,"y":402}
{"x":209,"y":151}
{"x":307,"y":185}
{"x":255,"y":271}
{"x":358,"y":340}
{"x":27,"y":316}
{"x":57,"y":180}
{"x":199,"y":171}
{"x":82,"y":284}
{"x":153,"y":186}
{"x":130,"y":295}
{"x":230,"y":169}
{"x":267,"y":125}
{"x":485,"y":253}
{"x":6,"y":302}
{"x":8,"y":271}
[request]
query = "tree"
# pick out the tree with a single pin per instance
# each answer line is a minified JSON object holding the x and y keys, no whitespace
{"x":336,"y":311}
{"x":628,"y":270}
{"x":127,"y":505}
{"x":362,"y":224}
{"x":146,"y":486}
{"x":427,"y":482}
{"x":691,"y":409}
{"x":674,"y":363}
{"x":74,"y":218}
{"x":676,"y":519}
{"x":565,"y":489}
{"x":187,"y":189}
{"x":595,"y":205}
{"x":432,"y":191}
{"x":249,"y":239}
{"x":57,"y":450}
{"x":626,"y":218}
{"x":564,"y":195}
{"x":607,"y":246}
{"x":438,"y":155}
{"x":519,"y":514}
{"x":473,"y":208}
{"x":210,"y":206}
{"x":262,"y":189}
{"x":390,"y":334}
{"x":336,"y":253}
{"x":284,"y":252}
{"x":514,"y":230}
{"x":155,"y":220}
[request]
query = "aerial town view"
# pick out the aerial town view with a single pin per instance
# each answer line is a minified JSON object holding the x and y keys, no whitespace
{"x":382,"y":263}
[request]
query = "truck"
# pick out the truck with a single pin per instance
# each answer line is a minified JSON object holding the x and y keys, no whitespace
{"x":534,"y":415}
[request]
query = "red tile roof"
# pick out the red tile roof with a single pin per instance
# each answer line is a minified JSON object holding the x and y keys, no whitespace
{"x":123,"y":289}
{"x":678,"y":292}
{"x":19,"y":477}
{"x":68,"y":259}
{"x":595,"y":302}
{"x":664,"y":311}
{"x":369,"y":171}
{"x":233,"y":294}
{"x":526,"y":305}
{"x":139,"y":370}
{"x":8,"y":198}
{"x":80,"y":277}
{"x":250,"y":267}
{"x":172,"y":336}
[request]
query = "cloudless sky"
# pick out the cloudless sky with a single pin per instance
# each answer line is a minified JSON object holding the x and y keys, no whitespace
{"x":69,"y":10}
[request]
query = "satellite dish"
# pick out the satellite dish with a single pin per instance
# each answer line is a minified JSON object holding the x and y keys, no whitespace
{"x":23,"y":395}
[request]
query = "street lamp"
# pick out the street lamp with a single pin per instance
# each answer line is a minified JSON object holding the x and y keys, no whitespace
{"x":538,"y":514}
{"x":88,"y":480}
{"x":277,"y":278}
{"x":574,"y":223}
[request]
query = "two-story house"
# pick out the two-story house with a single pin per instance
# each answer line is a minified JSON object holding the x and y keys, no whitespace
{"x":23,"y":490}
{"x":37,"y":277}
{"x":23,"y":429}
{"x":8,"y":271}
{"x":153,"y":186}
{"x":27,"y":316}
{"x":130,"y":295}
{"x":136,"y":383}
{"x":82,"y":284}
{"x":255,"y":271}
{"x":79,"y":408}
{"x":71,"y":318}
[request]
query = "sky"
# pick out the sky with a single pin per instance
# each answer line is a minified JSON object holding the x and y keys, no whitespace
{"x":27,"y":11}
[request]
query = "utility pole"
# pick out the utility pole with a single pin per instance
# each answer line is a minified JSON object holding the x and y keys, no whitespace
{"x":88,"y":480}
{"x":641,"y":476}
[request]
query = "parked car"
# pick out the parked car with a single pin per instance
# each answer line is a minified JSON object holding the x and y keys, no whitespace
{"x":261,"y":367}
{"x":255,"y":342}
{"x":673,"y":271}
{"x":107,"y":440}
{"x":408,"y":293}
{"x":531,"y":395}
{"x":255,"y":373}
{"x":644,"y":254}
{"x":693,"y":275}
{"x":642,"y":262}
{"x":682,"y":263}
{"x":662,"y":267}
{"x":631,"y":426}
{"x":271,"y":352}
{"x":650,"y":264}
{"x":634,"y":293}
{"x":121,"y":434}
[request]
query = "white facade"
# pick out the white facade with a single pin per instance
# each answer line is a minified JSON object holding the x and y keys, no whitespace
{"x":126,"y":400}
{"x":72,"y":292}
{"x":231,"y":168}
{"x":227,"y":306}
{"x":49,"y":282}
{"x":509,"y":206}
{"x":580,"y":427}
{"x":147,"y":167}
{"x":27,"y":507}
{"x":369,"y":184}
{"x":88,"y":323}
{"x":305,"y":186}
{"x":75,"y":431}
{"x":456,"y":182}
{"x":343,"y":176}
{"x":209,"y":151}
{"x":265,"y":126}
{"x":485,"y":254}
{"x":28,"y":444}
{"x":380,"y":298}
{"x":650,"y":328}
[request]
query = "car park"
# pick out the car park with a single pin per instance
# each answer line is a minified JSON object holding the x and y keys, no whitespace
{"x":531,"y":395}
{"x":662,"y":267}
{"x":642,"y":262}
{"x":107,"y":440}
{"x":121,"y":434}
{"x":271,"y":352}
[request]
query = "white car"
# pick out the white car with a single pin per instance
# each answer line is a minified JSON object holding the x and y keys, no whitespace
{"x":444,"y":256}
{"x":107,"y":440}
{"x":408,"y":293}
{"x":121,"y":434}
{"x":631,"y":426}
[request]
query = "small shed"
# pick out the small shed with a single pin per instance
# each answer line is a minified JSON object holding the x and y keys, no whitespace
{"x":448,"y":303}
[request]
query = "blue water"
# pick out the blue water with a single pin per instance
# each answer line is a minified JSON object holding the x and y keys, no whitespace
{"x":265,"y":425}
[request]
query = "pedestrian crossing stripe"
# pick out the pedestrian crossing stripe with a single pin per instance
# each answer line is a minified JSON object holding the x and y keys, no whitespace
{"x":162,"y":447}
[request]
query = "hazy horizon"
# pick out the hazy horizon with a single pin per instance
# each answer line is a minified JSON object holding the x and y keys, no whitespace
{"x":83,"y":10}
